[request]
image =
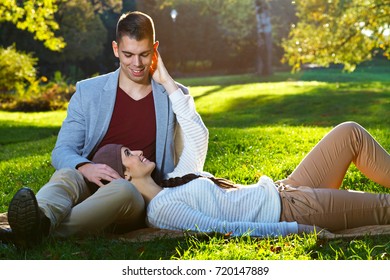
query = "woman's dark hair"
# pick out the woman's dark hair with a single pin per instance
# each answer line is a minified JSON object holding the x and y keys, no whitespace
{"x":178,"y":181}
{"x":135,"y":25}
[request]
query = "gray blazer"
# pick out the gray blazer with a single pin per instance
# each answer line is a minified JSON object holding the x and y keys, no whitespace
{"x":88,"y":117}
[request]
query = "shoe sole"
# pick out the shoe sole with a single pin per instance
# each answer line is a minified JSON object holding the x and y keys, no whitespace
{"x":6,"y":236}
{"x":23,"y":217}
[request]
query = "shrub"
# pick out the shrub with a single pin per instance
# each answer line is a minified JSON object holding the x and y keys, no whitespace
{"x":38,"y":98}
{"x":17,"y":70}
{"x":54,"y":97}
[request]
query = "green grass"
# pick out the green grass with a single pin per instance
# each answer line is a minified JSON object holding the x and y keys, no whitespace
{"x":257,"y":127}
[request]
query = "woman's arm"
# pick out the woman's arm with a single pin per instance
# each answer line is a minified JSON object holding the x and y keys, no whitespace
{"x":193,"y":132}
{"x":178,"y":215}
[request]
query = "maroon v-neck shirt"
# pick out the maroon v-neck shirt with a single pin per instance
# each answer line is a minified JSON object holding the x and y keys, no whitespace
{"x":133,"y":124}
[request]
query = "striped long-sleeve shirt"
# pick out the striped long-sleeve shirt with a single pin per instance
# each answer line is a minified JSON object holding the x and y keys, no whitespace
{"x":191,"y":135}
{"x":200,"y":205}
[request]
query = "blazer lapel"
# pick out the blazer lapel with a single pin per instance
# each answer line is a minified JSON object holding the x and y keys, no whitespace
{"x":106,"y":105}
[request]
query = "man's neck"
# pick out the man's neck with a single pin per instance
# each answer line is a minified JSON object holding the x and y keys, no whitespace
{"x":136,"y":91}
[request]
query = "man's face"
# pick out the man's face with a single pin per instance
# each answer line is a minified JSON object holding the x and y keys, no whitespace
{"x":135,"y":58}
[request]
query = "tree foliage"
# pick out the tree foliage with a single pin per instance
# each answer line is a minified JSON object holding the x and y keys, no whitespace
{"x":101,"y":6}
{"x":35,"y":16}
{"x":344,"y":32}
{"x":208,"y":36}
{"x":82,"y":29}
{"x":232,"y":23}
{"x":236,"y":18}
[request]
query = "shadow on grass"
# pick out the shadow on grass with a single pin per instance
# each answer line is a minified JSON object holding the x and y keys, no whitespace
{"x":210,"y":92}
{"x":318,"y":107}
{"x":19,"y":134}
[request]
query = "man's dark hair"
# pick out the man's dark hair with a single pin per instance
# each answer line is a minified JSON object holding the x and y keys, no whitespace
{"x":135,"y":25}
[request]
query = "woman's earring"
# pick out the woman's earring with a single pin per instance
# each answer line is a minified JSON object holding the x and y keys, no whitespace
{"x":128,"y":177}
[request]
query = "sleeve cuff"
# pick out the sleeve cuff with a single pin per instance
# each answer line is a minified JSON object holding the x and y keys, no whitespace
{"x":176,"y":94}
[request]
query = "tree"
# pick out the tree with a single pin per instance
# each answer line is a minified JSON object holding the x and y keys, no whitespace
{"x":82,"y":29}
{"x":107,"y":5}
{"x":264,"y":37}
{"x":243,"y":26}
{"x":344,"y":32}
{"x":35,"y":16}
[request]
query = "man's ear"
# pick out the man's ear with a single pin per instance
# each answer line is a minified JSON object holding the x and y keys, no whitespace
{"x":115,"y":48}
{"x":155,"y":45}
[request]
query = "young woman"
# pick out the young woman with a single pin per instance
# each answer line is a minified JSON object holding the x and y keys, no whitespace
{"x":308,"y":198}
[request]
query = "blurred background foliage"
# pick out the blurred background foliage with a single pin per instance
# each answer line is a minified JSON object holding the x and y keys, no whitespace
{"x":346,"y":32}
{"x":47,"y":45}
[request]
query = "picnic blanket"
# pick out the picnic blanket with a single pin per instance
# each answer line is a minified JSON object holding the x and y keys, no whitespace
{"x":148,"y":234}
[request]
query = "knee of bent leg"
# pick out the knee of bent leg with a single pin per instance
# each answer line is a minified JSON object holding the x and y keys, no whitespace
{"x":67,"y":174}
{"x":349,"y":127}
{"x":127,"y":193}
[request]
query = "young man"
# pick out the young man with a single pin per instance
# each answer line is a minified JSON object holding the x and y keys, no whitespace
{"x":131,"y":106}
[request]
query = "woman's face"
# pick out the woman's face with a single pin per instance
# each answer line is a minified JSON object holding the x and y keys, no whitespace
{"x":136,"y":164}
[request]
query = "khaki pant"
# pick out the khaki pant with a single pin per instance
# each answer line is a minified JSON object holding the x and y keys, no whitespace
{"x":73,"y":209}
{"x":311,"y":194}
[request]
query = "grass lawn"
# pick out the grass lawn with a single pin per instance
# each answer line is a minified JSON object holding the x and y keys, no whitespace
{"x":257,"y":126}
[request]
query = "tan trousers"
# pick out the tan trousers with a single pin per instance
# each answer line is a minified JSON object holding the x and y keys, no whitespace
{"x":67,"y":201}
{"x":311,"y":194}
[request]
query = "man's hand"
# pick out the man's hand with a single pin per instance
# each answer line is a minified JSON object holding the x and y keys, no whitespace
{"x":95,"y":173}
{"x":162,"y":76}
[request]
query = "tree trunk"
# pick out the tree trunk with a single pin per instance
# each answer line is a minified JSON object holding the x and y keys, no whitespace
{"x":264,"y":38}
